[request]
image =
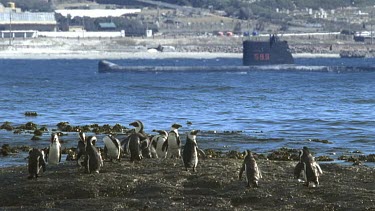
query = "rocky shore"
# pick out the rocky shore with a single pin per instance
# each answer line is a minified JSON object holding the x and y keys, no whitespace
{"x":184,"y":47}
{"x":163,"y":184}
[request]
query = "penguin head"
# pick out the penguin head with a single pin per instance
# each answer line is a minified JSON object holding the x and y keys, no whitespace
{"x":161,"y":132}
{"x":305,"y":151}
{"x":138,"y":126}
{"x":176,"y":126}
{"x":193,"y":134}
{"x":54,"y":138}
{"x":248,"y":154}
{"x":91,"y":140}
{"x":82,"y":137}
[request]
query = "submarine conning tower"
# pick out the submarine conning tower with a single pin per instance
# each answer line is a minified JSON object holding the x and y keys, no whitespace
{"x":269,"y":52}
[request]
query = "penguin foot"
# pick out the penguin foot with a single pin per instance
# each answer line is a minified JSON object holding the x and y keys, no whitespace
{"x":316,"y":184}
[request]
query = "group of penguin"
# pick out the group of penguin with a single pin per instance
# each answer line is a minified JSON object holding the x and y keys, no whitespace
{"x":307,"y":165}
{"x":163,"y":145}
{"x":137,"y":143}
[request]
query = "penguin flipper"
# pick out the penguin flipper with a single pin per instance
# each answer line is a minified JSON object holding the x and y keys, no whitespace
{"x":154,"y":143}
{"x":178,"y":141}
{"x":241,"y":171}
{"x":164,"y":147}
{"x":318,"y":168}
{"x":125,"y":144}
{"x":60,"y":155}
{"x":201,"y":153}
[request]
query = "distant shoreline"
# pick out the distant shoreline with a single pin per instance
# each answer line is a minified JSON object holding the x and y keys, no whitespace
{"x":95,"y":55}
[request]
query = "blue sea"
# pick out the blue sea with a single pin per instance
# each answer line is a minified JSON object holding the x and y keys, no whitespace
{"x":273,"y":108}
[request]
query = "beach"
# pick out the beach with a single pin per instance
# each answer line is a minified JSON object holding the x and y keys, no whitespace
{"x":164,"y":184}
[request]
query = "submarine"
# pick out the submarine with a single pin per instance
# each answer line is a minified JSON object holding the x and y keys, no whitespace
{"x":269,"y":52}
{"x":256,"y":55}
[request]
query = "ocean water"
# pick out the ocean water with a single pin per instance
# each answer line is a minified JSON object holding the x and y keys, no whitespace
{"x":273,"y":108}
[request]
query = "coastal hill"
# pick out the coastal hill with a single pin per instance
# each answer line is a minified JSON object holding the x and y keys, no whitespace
{"x":206,"y":27}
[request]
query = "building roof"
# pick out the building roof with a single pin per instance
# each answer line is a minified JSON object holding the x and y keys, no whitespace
{"x":96,"y":13}
{"x":107,"y":25}
{"x":28,"y":18}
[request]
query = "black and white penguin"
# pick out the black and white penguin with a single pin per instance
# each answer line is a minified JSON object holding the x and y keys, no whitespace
{"x":251,"y":169}
{"x":311,"y":169}
{"x":54,"y":154}
{"x":190,"y":152}
{"x":93,"y":159}
{"x":36,"y":163}
{"x":112,"y":147}
{"x":81,"y":149}
{"x":174,"y":142}
{"x":159,"y":144}
{"x":144,"y":140}
{"x":134,"y":147}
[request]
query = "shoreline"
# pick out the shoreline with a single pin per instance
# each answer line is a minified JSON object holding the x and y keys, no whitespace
{"x":96,"y":55}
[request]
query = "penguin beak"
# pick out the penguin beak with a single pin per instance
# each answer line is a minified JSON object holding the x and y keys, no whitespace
{"x":176,"y":126}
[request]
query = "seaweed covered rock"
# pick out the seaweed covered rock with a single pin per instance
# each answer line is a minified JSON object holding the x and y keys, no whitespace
{"x":324,"y":158}
{"x":31,"y":113}
{"x":29,"y":126}
{"x":324,"y":141}
{"x":235,"y":154}
{"x":210,"y":153}
{"x":6,"y":126}
{"x":38,"y":132}
{"x":6,"y":150}
{"x":284,"y":154}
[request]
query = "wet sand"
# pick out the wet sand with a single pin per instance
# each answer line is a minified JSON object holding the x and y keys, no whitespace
{"x":163,"y":184}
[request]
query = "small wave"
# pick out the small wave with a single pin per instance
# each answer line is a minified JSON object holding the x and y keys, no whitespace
{"x":364,"y":101}
{"x":311,"y":68}
{"x":362,"y":141}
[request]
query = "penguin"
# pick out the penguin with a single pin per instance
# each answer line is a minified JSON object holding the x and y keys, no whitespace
{"x":112,"y":147}
{"x":159,"y":144}
{"x":298,"y":170}
{"x":173,"y":144}
{"x":81,"y":149}
{"x":311,"y":169}
{"x":134,"y":146}
{"x":252,"y":171}
{"x":144,"y":140}
{"x":93,"y":159}
{"x":54,"y":155}
{"x":190,"y":152}
{"x":36,"y":163}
